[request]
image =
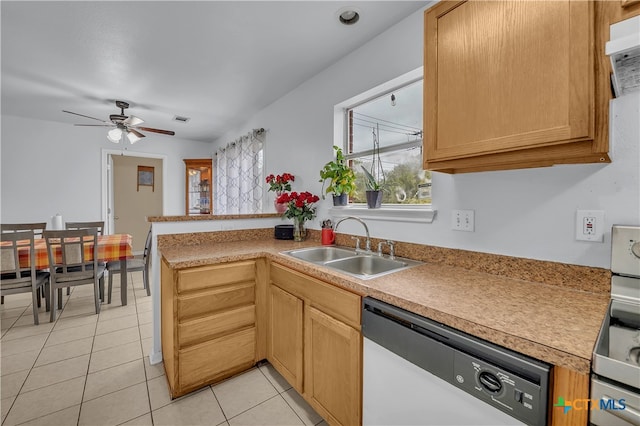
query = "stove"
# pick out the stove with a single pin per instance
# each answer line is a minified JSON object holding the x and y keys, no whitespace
{"x":615,"y":378}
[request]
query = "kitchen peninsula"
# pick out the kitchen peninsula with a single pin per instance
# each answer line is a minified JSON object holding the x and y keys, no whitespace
{"x":546,"y":310}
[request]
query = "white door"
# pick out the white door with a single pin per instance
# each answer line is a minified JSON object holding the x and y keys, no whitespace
{"x":137,"y":193}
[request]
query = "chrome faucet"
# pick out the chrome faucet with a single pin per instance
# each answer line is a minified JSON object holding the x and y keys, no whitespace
{"x":366,"y":230}
{"x":391,"y":244}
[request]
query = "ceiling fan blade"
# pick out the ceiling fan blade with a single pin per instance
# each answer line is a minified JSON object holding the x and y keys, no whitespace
{"x":164,"y":132}
{"x":132,"y":120}
{"x":95,"y":125}
{"x":85,"y":116}
{"x":137,"y":133}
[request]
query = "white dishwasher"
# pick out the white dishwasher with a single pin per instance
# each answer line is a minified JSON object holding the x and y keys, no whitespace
{"x":419,"y":372}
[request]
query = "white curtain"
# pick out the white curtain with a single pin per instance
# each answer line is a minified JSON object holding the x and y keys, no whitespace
{"x":238,"y":170}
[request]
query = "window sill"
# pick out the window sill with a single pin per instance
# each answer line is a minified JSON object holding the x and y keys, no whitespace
{"x":413,"y":214}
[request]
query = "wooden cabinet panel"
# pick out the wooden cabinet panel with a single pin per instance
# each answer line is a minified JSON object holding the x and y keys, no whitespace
{"x":570,"y":386}
{"x":211,"y":326}
{"x":284,"y":342}
{"x":339,"y":303}
{"x":214,"y":359}
{"x":507,"y":77}
{"x":315,"y":342}
{"x":206,"y":302}
{"x":208,"y":317}
{"x":333,"y":366}
{"x":211,"y":276}
{"x":169,"y":329}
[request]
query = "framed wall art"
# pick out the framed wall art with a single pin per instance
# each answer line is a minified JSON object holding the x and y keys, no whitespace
{"x":145,"y":177}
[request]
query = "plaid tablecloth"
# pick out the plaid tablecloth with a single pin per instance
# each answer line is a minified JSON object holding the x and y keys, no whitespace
{"x":110,"y":247}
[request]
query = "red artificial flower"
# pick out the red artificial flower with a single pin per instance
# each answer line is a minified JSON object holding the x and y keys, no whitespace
{"x":280,"y":183}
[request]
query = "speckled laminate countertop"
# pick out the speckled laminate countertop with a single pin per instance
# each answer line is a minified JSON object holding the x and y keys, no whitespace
{"x":554,"y":324}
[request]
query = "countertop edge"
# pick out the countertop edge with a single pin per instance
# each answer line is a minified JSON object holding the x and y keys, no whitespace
{"x":513,"y":342}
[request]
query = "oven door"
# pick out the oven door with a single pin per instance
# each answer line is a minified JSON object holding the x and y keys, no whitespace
{"x":616,"y":405}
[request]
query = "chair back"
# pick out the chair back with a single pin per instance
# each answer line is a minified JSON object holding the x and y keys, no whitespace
{"x":14,"y":246}
{"x":147,"y":250}
{"x":37,"y":228}
{"x":72,"y":252}
{"x":99,"y":225}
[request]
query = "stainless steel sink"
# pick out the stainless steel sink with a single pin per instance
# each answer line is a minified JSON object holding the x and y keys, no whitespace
{"x":358,"y":264}
{"x":321,"y":254}
{"x":366,"y":265}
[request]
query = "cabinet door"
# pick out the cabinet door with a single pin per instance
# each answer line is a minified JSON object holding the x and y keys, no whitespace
{"x":505,"y":76}
{"x":333,"y":368}
{"x":284,"y":342}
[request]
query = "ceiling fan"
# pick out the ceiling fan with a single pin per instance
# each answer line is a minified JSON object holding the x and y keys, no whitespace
{"x":123,"y":125}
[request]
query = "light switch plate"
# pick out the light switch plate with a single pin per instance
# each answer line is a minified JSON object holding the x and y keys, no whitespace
{"x":590,"y":225}
{"x":463,"y":220}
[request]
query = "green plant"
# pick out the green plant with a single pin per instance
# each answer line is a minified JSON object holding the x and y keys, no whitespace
{"x":370,"y":181}
{"x":342,"y":179}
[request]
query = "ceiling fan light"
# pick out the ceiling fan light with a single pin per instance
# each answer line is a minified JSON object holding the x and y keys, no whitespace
{"x":133,"y":138}
{"x":114,"y":135}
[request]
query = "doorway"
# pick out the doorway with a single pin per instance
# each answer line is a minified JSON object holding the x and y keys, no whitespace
{"x":135,"y":187}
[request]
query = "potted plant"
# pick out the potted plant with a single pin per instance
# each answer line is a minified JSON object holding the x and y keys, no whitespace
{"x":342,"y":179}
{"x":373,"y":183}
{"x":374,"y":190}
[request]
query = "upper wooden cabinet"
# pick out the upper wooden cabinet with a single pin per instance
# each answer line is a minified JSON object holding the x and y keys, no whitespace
{"x":512,"y":84}
{"x":198,"y":178}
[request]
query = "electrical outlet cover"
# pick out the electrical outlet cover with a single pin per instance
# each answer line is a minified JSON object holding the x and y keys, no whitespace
{"x":590,"y":225}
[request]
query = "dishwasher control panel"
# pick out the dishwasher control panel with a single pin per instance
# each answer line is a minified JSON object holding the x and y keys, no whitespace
{"x":498,"y":387}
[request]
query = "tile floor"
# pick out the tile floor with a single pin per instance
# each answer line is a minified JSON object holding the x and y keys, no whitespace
{"x":88,"y":369}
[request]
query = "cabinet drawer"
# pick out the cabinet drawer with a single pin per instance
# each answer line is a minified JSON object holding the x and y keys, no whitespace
{"x":214,"y":276}
{"x":218,"y":299}
{"x":197,"y":330}
{"x":216,"y":358}
{"x":337,"y":302}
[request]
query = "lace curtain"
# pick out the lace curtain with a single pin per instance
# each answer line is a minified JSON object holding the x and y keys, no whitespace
{"x":238,"y":171}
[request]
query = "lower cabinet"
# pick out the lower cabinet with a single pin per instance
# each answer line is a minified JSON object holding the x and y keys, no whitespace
{"x":209,"y":326}
{"x":314,"y":341}
{"x":284,"y":342}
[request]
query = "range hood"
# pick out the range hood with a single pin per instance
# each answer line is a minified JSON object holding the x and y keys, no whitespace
{"x":624,"y":51}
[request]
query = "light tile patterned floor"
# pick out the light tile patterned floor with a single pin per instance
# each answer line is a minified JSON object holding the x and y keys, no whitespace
{"x":88,"y":369}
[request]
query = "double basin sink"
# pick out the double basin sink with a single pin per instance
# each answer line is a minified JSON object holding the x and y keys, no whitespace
{"x":363,"y":265}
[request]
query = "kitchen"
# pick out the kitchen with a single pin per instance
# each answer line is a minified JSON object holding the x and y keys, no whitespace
{"x":527,"y":213}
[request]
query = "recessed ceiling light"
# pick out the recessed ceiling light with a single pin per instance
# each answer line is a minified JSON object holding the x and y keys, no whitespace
{"x":348,"y":15}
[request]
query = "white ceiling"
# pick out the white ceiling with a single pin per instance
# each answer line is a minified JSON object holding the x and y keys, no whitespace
{"x":217,"y":62}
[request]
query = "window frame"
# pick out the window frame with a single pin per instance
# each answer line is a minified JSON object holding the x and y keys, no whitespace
{"x":424,"y":213}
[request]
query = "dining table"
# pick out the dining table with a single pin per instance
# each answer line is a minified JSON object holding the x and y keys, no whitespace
{"x":110,"y":247}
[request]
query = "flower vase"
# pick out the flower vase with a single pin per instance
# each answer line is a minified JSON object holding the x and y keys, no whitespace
{"x":299,"y":231}
{"x":280,"y":207}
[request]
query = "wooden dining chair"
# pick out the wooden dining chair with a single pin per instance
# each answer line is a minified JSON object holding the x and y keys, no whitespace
{"x":99,"y":225}
{"x":19,"y":279}
{"x":71,"y":265}
{"x":36,"y":227}
{"x":133,"y":265}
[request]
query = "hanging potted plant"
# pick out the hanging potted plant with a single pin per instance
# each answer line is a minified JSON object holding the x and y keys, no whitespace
{"x":342,"y":180}
{"x":374,"y":190}
{"x":373,"y":183}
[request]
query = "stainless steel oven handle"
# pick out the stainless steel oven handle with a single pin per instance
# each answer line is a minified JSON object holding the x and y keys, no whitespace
{"x":629,"y":414}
